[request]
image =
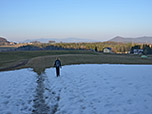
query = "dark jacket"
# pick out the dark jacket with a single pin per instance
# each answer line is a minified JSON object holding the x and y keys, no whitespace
{"x":57,"y":63}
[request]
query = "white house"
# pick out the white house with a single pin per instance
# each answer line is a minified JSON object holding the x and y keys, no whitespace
{"x":107,"y":50}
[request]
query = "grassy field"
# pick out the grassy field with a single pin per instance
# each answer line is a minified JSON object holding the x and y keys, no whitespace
{"x":39,"y":60}
{"x":6,"y":48}
{"x":8,"y":59}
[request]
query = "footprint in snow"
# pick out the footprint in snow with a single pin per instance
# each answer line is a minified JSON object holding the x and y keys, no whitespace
{"x":5,"y":102}
{"x":113,"y":112}
{"x":108,"y":105}
{"x":112,"y":88}
{"x":120,"y":93}
{"x":130,"y":83}
{"x":107,"y":83}
{"x":130,"y":102}
{"x":8,"y":96}
{"x":149,"y":94}
{"x":29,"y":101}
{"x":8,"y":113}
{"x":105,"y":79}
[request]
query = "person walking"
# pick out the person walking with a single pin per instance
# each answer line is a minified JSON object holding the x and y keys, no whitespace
{"x":57,"y":64}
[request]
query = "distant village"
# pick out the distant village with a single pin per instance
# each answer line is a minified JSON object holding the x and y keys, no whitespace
{"x":104,"y":47}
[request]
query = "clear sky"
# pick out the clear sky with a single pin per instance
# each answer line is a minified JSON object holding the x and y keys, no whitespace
{"x":91,"y":19}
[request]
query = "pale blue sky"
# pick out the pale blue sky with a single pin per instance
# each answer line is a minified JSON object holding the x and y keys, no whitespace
{"x":91,"y":19}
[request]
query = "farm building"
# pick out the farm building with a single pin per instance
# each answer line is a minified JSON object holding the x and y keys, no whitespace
{"x":137,"y":51}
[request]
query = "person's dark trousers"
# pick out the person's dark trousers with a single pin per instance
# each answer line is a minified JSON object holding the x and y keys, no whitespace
{"x":57,"y":71}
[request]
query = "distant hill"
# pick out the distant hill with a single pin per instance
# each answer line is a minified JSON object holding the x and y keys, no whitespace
{"x":144,"y":39}
{"x":3,"y":41}
{"x":66,"y":40}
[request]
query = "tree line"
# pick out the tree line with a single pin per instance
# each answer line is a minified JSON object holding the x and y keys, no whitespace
{"x":147,"y":49}
{"x":116,"y":47}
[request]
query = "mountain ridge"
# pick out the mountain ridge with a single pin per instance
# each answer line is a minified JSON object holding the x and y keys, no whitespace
{"x":65,"y":40}
{"x":144,"y":39}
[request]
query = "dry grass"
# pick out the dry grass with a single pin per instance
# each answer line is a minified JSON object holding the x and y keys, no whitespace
{"x":8,"y":60}
{"x":40,"y":63}
{"x":40,"y":60}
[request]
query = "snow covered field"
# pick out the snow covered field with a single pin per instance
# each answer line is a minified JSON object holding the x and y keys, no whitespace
{"x":81,"y":89}
{"x":17,"y":91}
